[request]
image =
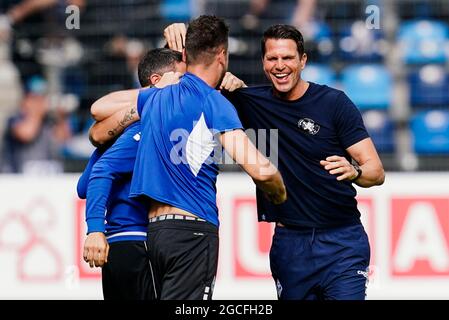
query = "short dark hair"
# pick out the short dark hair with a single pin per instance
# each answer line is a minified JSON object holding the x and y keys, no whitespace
{"x":157,"y":61}
{"x":205,"y":36}
{"x":283,"y":31}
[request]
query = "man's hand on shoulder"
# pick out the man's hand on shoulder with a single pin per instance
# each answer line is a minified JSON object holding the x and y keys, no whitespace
{"x":230,"y":83}
{"x":168,"y":78}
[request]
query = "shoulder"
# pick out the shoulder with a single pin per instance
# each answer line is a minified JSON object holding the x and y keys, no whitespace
{"x":331,"y":97}
{"x":214,"y":97}
{"x":326,"y":91}
{"x":261,"y":90}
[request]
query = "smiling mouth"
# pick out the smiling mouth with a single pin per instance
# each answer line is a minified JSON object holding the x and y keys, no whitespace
{"x":281,"y":76}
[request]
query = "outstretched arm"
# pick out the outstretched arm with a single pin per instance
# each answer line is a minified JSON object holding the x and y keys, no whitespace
{"x":117,"y":110}
{"x":104,"y":131}
{"x":113,"y":102}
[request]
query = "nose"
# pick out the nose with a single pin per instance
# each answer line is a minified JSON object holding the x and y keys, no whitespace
{"x":280,"y":65}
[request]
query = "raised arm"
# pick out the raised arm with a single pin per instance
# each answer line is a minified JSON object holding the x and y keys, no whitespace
{"x":265,"y":175}
{"x":113,"y":102}
{"x":104,"y":131}
{"x":117,"y":110}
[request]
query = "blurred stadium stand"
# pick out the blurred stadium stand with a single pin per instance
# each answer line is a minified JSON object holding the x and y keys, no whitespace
{"x":397,"y":75}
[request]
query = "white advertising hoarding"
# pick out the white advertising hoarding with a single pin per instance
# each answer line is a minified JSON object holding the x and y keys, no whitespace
{"x":42,"y":231}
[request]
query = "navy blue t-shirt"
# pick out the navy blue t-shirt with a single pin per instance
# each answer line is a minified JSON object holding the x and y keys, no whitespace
{"x":322,"y":123}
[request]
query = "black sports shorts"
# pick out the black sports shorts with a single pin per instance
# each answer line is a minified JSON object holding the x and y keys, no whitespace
{"x":183,"y":257}
{"x":126,"y":275}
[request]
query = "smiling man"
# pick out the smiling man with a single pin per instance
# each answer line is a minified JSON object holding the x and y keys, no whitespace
{"x":320,"y":249}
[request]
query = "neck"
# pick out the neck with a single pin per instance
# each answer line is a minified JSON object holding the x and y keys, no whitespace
{"x":204,"y":73}
{"x":297,"y":92}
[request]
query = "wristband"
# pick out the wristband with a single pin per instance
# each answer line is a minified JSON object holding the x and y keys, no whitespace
{"x":359,"y":172}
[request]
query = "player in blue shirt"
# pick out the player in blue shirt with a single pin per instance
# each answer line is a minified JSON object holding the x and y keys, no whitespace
{"x":320,"y":249}
{"x":176,"y":166}
{"x":116,"y":241}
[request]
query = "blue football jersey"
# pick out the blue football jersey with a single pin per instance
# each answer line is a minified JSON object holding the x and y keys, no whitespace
{"x":176,"y":161}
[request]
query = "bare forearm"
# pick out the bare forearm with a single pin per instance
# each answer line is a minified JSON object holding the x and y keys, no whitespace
{"x":106,"y":130}
{"x":264,"y":174}
{"x":113,"y":102}
{"x":272,"y":185}
{"x":27,"y":8}
{"x":372,"y":175}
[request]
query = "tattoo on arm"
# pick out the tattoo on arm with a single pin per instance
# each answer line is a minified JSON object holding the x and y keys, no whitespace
{"x":129,"y":116}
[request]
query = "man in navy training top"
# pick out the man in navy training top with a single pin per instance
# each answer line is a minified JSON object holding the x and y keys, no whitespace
{"x":176,"y":164}
{"x":320,"y":249}
{"x":119,"y":245}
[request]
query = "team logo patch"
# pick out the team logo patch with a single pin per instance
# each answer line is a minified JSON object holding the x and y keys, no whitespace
{"x":309,"y":126}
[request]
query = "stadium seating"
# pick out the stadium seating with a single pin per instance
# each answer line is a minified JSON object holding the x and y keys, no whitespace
{"x":369,"y":86}
{"x":319,"y":73}
{"x":423,"y":41}
{"x":429,"y":86}
{"x":319,"y":41}
{"x":381,"y":129}
{"x":430,"y":131}
{"x":176,"y":10}
{"x":358,"y":43}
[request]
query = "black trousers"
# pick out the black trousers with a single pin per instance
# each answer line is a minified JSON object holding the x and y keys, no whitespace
{"x":183,"y":257}
{"x":126,"y":275}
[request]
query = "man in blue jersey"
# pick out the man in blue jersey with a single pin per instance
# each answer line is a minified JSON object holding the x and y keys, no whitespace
{"x":320,"y":249}
{"x":119,"y":245}
{"x":176,"y":165}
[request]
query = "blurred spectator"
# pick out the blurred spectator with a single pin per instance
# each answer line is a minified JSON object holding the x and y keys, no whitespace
{"x":303,"y":13}
{"x":30,"y":22}
{"x":23,"y":9}
{"x":35,"y":134}
{"x":132,"y":51}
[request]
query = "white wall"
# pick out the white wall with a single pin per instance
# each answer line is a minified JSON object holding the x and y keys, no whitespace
{"x":42,"y":231}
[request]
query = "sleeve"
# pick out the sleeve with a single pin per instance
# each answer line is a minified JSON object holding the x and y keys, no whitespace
{"x":81,"y":187}
{"x":349,"y":123}
{"x":223,"y":115}
{"x":142,"y":99}
{"x":117,"y":160}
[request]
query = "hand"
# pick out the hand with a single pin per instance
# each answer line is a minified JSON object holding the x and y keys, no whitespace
{"x":96,"y":249}
{"x":231,"y":82}
{"x":168,"y":78}
{"x":175,"y":35}
{"x":337,"y":165}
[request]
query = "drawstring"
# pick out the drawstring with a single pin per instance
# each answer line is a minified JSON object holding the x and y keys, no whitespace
{"x":313,"y":235}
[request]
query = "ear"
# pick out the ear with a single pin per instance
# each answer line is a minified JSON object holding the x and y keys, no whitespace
{"x":303,"y":61}
{"x":184,"y":55}
{"x":154,"y":78}
{"x":222,"y":56}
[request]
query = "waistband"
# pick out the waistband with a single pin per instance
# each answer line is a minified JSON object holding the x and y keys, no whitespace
{"x":306,"y":229}
{"x":175,"y":217}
